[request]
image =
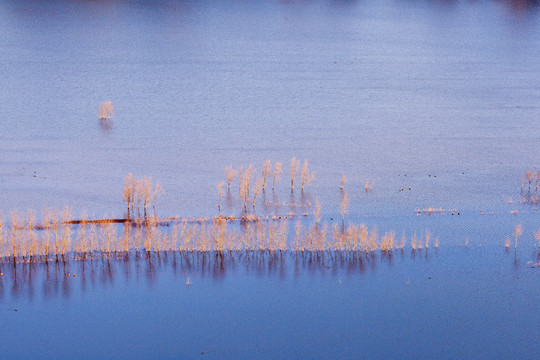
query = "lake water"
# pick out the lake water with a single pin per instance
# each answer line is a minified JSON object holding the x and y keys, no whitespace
{"x":377,"y":90}
{"x":441,"y":97}
{"x":468,"y":302}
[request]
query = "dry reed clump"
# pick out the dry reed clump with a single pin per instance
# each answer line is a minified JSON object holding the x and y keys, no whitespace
{"x":530,"y":177}
{"x":55,"y":239}
{"x":368,"y":186}
{"x":142,"y":193}
{"x":245,"y":179}
{"x":257,"y":188}
{"x":306,"y":176}
{"x":355,"y":238}
{"x":249,"y":190}
{"x":106,"y":110}
{"x":266,"y":172}
{"x":387,"y":241}
{"x":535,"y":233}
{"x":414,"y":242}
{"x":230,"y":174}
{"x":276,"y":174}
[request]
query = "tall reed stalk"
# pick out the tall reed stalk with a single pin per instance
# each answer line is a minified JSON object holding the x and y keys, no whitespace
{"x":343,"y":181}
{"x":276,"y":174}
{"x":518,"y":230}
{"x":306,"y":176}
{"x":230,"y":173}
{"x":266,"y":171}
{"x":142,"y":192}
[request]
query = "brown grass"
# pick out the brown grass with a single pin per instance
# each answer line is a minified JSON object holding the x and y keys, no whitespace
{"x":276,"y":174}
{"x":106,"y":110}
{"x":306,"y":176}
{"x":266,"y":171}
{"x":246,"y":176}
{"x":343,"y":181}
{"x":368,"y":186}
{"x":537,"y":237}
{"x":141,"y":192}
{"x":230,"y":174}
{"x":93,"y":238}
{"x":59,"y":236}
{"x":518,"y":230}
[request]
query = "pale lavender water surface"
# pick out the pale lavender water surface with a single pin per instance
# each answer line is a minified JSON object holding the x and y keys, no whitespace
{"x":377,"y":90}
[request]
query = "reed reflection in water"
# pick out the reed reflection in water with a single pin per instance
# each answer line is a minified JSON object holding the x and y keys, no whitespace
{"x":62,"y":279}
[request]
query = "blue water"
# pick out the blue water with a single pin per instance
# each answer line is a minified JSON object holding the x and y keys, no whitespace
{"x":465,"y":302}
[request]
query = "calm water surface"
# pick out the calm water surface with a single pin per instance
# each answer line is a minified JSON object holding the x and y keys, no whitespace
{"x":463,"y":302}
{"x":438,"y":96}
{"x":375,"y":89}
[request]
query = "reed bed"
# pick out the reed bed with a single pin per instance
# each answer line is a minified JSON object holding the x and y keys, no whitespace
{"x":60,"y":238}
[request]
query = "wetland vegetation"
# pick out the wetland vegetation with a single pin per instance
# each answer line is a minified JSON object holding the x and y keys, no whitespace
{"x":58,"y":236}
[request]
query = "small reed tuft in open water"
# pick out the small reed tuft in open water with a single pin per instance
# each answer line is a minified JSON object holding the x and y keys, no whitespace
{"x":106,"y":110}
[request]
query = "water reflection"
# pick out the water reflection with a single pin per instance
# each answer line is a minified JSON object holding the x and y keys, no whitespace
{"x":63,"y":279}
{"x":105,"y":125}
{"x":229,"y":202}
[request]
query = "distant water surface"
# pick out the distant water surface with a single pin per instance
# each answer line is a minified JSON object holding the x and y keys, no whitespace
{"x":388,"y":91}
{"x":438,"y":98}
